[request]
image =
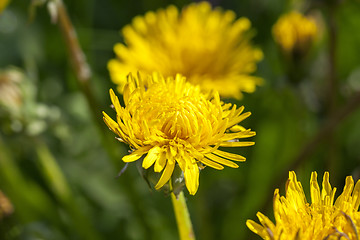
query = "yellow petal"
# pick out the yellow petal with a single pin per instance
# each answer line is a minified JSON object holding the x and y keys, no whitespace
{"x":165,"y":175}
{"x":160,"y":163}
{"x":212,"y":164}
{"x":345,"y":195}
{"x":112,"y":125}
{"x":231,"y":156}
{"x":191,"y":175}
{"x":257,"y":229}
{"x":238,"y":119}
{"x":151,"y":157}
{"x":136,"y":154}
{"x":231,"y":136}
{"x":115,"y":101}
{"x":236,"y":144}
{"x":356,"y":196}
{"x":132,"y":157}
{"x":314,"y":189}
{"x":265,"y":221}
{"x":237,"y":128}
{"x":326,"y":187}
{"x":221,"y":160}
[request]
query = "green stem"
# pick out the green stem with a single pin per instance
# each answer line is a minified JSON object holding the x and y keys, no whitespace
{"x":78,"y":60}
{"x":83,"y":76}
{"x":61,"y":189}
{"x":52,"y":172}
{"x":30,"y":201}
{"x":182,"y":217}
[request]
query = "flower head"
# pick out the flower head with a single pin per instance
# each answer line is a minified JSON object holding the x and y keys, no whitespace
{"x":207,"y":46}
{"x":170,"y":122}
{"x":324,"y":218}
{"x":294,"y":33}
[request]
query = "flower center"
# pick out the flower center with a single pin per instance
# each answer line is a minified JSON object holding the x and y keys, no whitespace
{"x":172,"y":116}
{"x":180,"y":121}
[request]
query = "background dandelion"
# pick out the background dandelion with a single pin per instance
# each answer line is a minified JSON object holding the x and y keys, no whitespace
{"x":210,"y":47}
{"x":324,"y":217}
{"x":61,"y":180}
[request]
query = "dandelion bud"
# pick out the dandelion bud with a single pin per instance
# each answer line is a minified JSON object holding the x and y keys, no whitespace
{"x":294,"y":33}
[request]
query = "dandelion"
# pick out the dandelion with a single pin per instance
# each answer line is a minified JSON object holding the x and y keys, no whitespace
{"x":294,"y":33}
{"x":207,"y":46}
{"x":170,"y":122}
{"x":324,"y":218}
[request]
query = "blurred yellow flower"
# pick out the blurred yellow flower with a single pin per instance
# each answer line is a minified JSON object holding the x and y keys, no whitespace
{"x":207,"y":46}
{"x":3,"y":4}
{"x":170,"y":121}
{"x":322,"y":219}
{"x":294,"y":32}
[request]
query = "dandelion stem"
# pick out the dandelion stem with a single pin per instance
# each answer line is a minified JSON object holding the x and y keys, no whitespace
{"x":29,"y":200}
{"x":58,"y":184}
{"x":78,"y":59}
{"x":182,"y":217}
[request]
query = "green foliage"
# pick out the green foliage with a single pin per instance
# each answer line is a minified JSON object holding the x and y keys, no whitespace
{"x":58,"y":167}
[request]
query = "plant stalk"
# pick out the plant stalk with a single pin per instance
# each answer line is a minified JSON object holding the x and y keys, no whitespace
{"x":182,"y":217}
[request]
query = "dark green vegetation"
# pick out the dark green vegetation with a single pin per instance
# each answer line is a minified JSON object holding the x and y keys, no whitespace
{"x":58,"y":163}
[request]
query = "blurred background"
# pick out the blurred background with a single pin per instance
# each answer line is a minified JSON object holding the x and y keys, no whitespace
{"x":59,"y":162}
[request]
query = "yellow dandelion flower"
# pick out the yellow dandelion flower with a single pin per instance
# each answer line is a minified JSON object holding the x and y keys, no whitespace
{"x":207,"y":46}
{"x":294,"y":32}
{"x":169,"y":121}
{"x":325,"y":218}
